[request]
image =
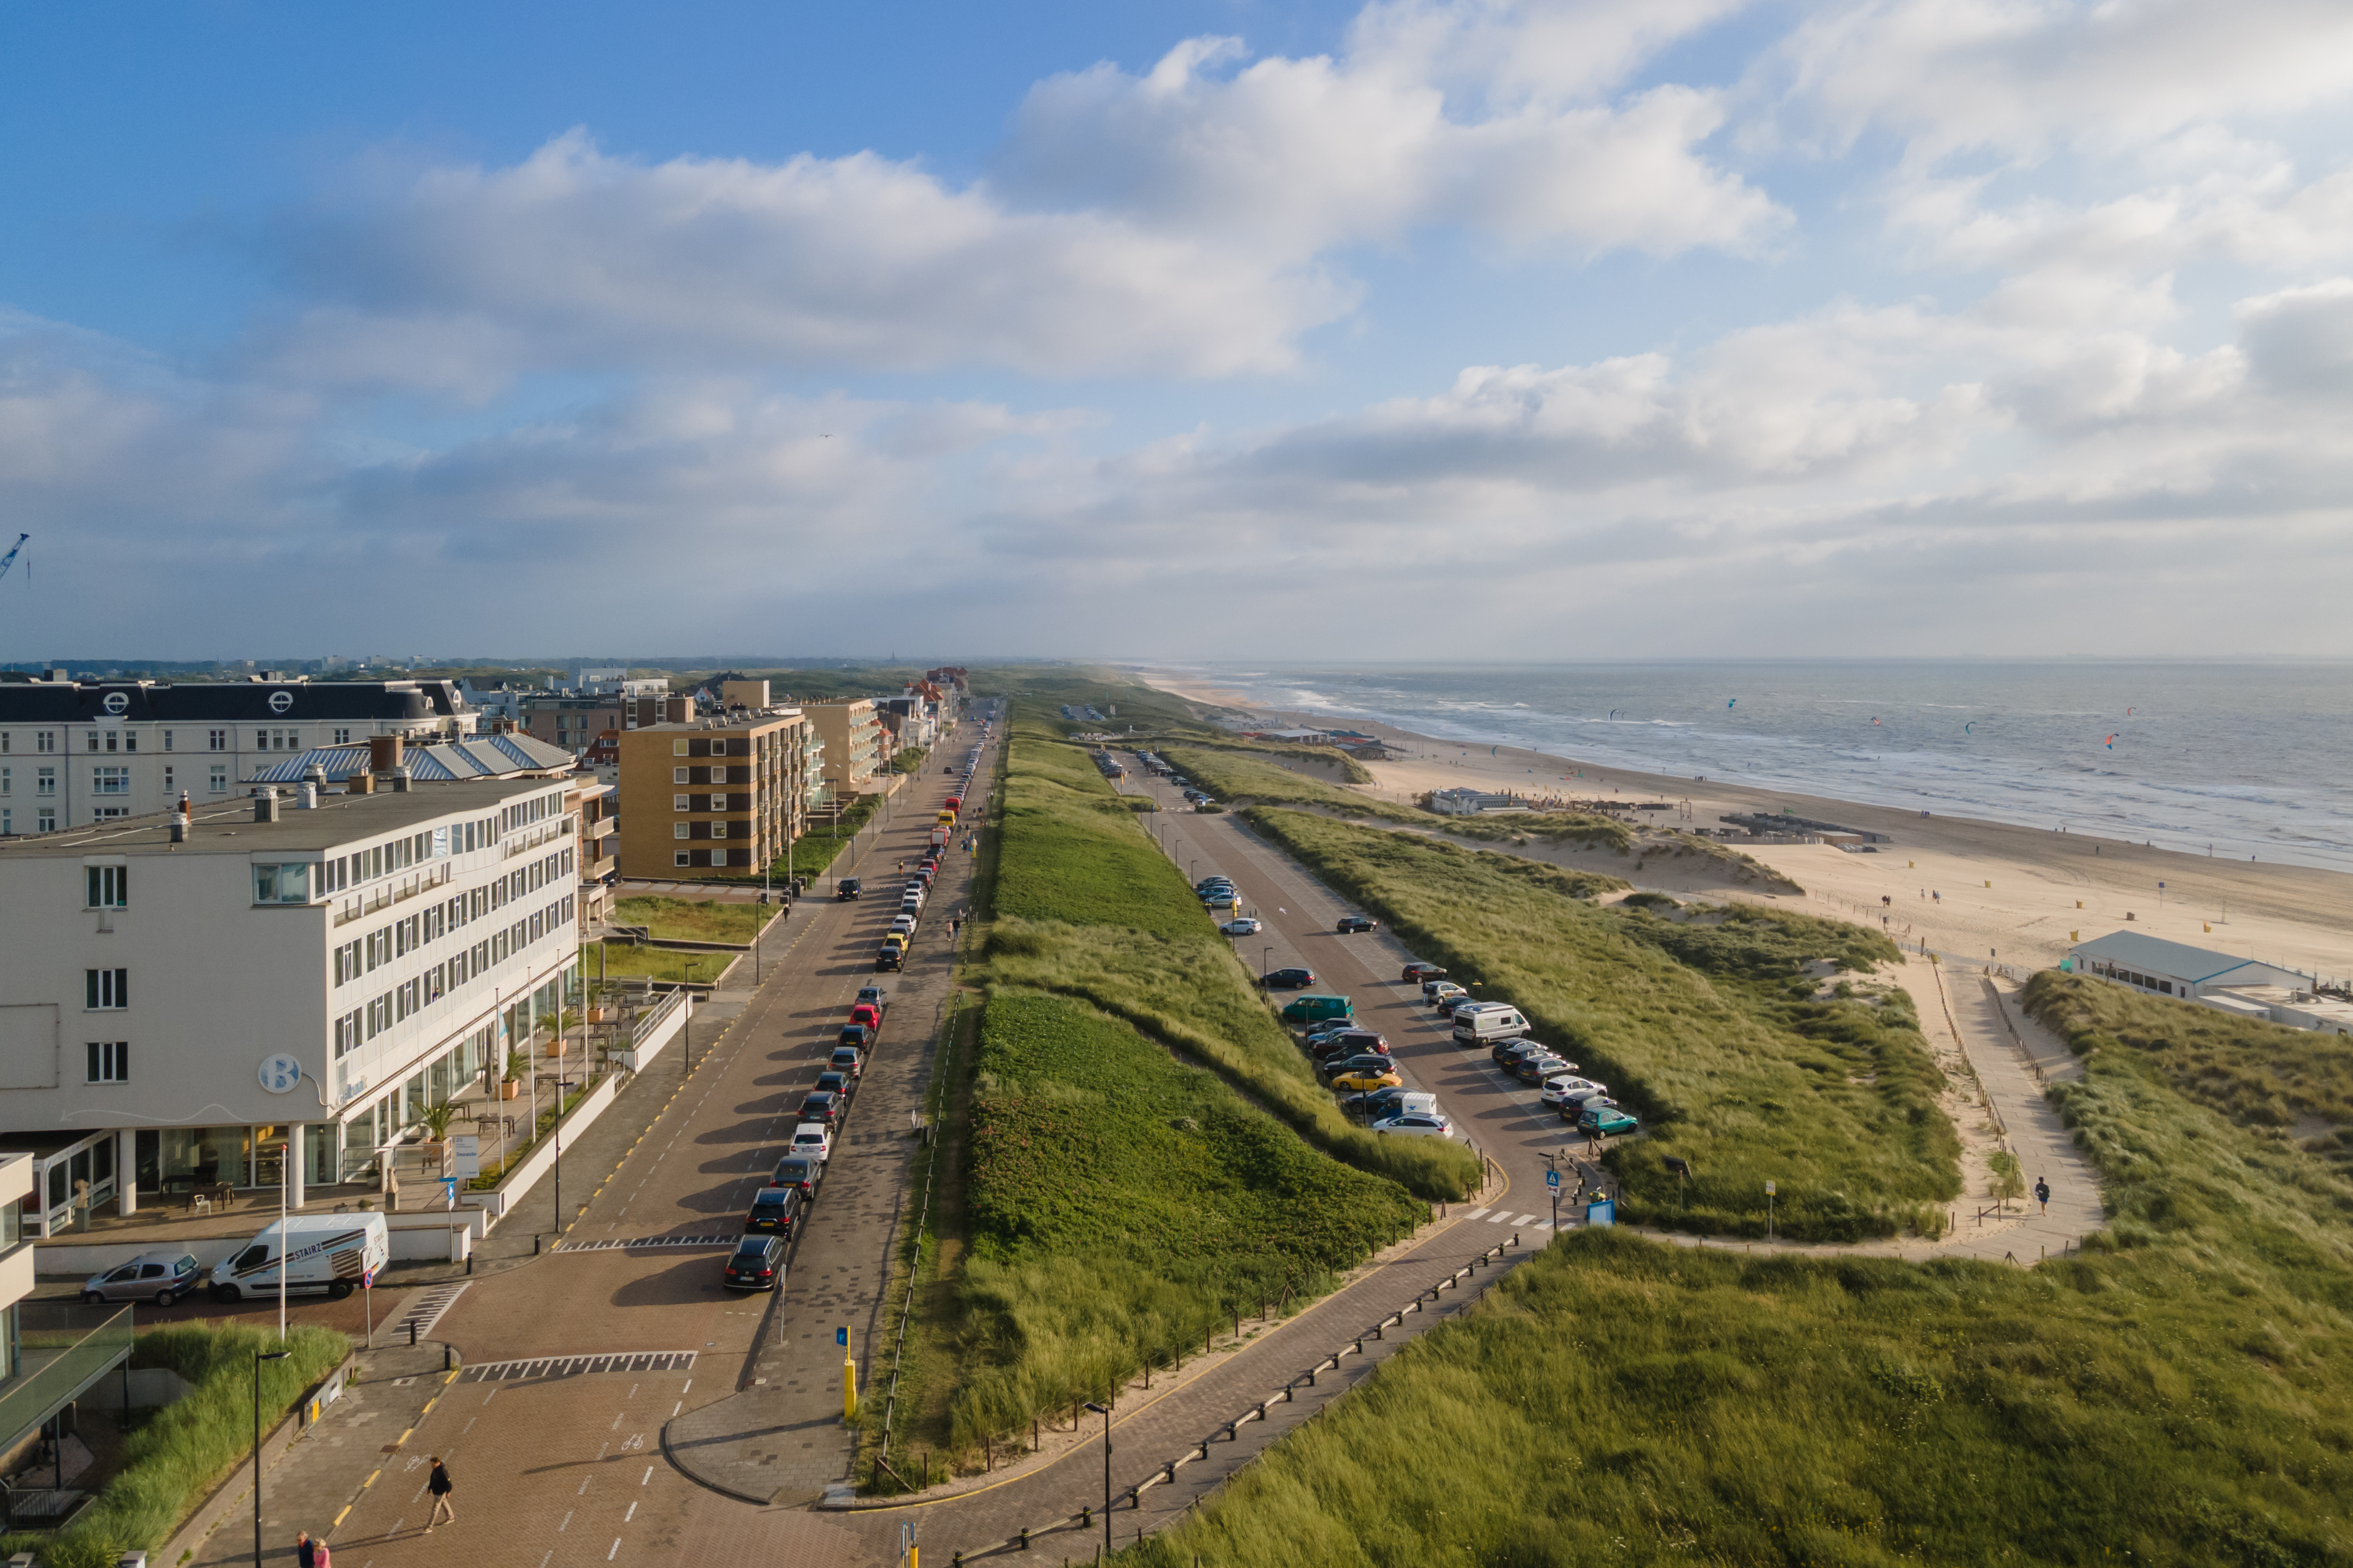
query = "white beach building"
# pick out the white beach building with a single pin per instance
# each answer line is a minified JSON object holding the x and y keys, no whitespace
{"x":2223,"y":981}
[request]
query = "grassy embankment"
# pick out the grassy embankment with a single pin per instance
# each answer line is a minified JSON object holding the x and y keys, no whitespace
{"x":174,"y":1457}
{"x":1134,"y":1172}
{"x":674,"y":920}
{"x":2179,"y":1392}
{"x":1705,"y":1026}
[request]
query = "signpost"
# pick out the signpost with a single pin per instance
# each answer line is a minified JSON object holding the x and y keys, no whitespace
{"x":1769,"y":1187}
{"x":1552,"y":1186}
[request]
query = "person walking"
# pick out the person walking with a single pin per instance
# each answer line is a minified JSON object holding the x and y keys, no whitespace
{"x":305,"y":1554}
{"x":440,"y":1486}
{"x":2043,"y":1194}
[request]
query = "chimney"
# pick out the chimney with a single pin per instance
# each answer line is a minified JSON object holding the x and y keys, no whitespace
{"x":179,"y":830}
{"x":359,"y":784}
{"x":400,"y":781}
{"x":384,"y":752}
{"x":265,"y":804}
{"x":306,"y":797}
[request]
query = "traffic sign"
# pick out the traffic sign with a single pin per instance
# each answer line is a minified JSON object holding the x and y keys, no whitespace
{"x":1552,"y":1178}
{"x":841,"y":1336}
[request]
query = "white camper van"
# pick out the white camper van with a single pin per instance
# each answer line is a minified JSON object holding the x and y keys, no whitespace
{"x":329,"y":1252}
{"x":1492,"y":1022}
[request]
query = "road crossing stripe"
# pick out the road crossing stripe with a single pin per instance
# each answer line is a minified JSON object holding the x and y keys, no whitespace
{"x":545,"y":1367}
{"x":1475,"y":1214}
{"x":1525,"y":1219}
{"x":1499,"y":1216}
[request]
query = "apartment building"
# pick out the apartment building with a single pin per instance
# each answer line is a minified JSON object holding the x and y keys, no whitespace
{"x":855,"y":745}
{"x":77,"y":752}
{"x":186,"y":995}
{"x":594,"y":805}
{"x":717,"y":793}
{"x":574,"y":720}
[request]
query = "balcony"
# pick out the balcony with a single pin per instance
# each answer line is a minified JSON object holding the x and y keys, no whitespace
{"x":386,"y":894}
{"x":64,"y":1351}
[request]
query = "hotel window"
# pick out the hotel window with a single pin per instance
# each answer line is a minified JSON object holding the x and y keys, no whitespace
{"x":220,"y":739}
{"x":104,"y":990}
{"x":109,"y":886}
{"x":678,"y":748}
{"x":45,"y":741}
{"x":167,"y":739}
{"x":167,"y":781}
{"x":49,"y":821}
{"x":678,"y":775}
{"x":342,"y":737}
{"x":217,"y":781}
{"x":678,"y":829}
{"x":109,"y":1061}
{"x":7,"y":738}
{"x":110,"y":781}
{"x":681,"y":803}
{"x":283,"y":884}
{"x":7,"y":781}
{"x":44,"y":781}
{"x":261,"y":739}
{"x":347,"y":961}
{"x":129,"y":741}
{"x":683,"y":858}
{"x":93,"y":741}
{"x":348,"y":1033}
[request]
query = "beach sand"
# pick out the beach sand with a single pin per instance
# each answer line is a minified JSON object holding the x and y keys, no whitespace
{"x":1986,"y":891}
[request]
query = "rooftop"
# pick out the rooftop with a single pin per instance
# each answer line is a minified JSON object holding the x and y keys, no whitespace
{"x":2176,"y":960}
{"x":483,"y":757}
{"x":229,"y":829}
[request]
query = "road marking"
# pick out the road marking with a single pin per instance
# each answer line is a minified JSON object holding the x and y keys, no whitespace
{"x":427,"y":1309}
{"x":543,"y":1368}
{"x":1499,"y":1216}
{"x":339,"y":1518}
{"x":630,"y":1515}
{"x":616,"y":1550}
{"x":1525,"y":1219}
{"x":676,"y":1408}
{"x":566,"y":1524}
{"x":650,"y":1476}
{"x":1475,"y":1214}
{"x":584,"y":1489}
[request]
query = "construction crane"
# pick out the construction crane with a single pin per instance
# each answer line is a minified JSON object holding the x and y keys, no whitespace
{"x":10,"y":559}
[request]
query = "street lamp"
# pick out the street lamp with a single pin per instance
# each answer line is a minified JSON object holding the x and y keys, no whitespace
{"x":1264,"y":960}
{"x":260,"y":1356}
{"x":1101,"y":1410}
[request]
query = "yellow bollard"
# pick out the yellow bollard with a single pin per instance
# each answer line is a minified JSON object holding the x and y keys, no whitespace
{"x":848,"y":1389}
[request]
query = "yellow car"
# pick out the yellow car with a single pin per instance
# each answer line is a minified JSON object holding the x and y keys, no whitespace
{"x":1357,"y":1082}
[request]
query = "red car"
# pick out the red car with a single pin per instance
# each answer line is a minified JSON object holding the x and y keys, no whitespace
{"x":869,"y":1015}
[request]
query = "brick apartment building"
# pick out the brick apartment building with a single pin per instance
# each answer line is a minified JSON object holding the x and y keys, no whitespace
{"x":713,"y":794}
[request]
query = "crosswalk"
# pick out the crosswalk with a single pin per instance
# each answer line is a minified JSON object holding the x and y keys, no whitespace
{"x":1505,"y":1217}
{"x":632,"y":1243}
{"x":542,"y":1369}
{"x":426,"y":1309}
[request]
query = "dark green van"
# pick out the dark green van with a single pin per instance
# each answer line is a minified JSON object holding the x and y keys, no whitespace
{"x":1312,"y":1008}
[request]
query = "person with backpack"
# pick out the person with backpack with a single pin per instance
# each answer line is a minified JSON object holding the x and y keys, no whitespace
{"x":440,"y":1486}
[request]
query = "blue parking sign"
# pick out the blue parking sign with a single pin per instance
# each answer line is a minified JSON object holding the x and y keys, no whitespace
{"x":841,"y":1336}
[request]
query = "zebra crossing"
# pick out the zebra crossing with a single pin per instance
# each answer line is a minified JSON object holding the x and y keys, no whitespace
{"x":630,"y":1243}
{"x":425,"y":1310}
{"x":542,"y":1368}
{"x":1504,"y":1216}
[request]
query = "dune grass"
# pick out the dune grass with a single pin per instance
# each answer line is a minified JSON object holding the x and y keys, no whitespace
{"x":691,"y":919}
{"x":1234,"y":776}
{"x":2181,"y":1392}
{"x":1122,"y":1202}
{"x":1704,"y":1026}
{"x":173,"y":1458}
{"x":622,"y":961}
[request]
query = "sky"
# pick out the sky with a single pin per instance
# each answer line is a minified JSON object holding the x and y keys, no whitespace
{"x":1208,"y":329}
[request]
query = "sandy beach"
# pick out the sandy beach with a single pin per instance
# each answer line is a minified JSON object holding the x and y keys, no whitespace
{"x":1987,"y":890}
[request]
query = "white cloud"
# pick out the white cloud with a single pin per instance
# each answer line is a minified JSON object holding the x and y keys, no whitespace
{"x":2300,"y":341}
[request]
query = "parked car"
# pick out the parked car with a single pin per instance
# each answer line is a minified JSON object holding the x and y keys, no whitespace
{"x":1340,"y":1067}
{"x":1313,"y":1007}
{"x":873,"y":996}
{"x":1416,"y":1125}
{"x":848,"y":1059}
{"x":1420,"y":974}
{"x":1206,"y":883}
{"x":1364,"y":1078}
{"x":867,"y":1014}
{"x":1288,"y":979}
{"x":1506,"y":1052}
{"x":1350,"y":924}
{"x":798,"y":1171}
{"x":1348,"y":1042}
{"x":1448,"y":1005}
{"x":1378,"y":1104}
{"x":1243,"y":926}
{"x":821,"y":1107}
{"x":1560,"y":1086}
{"x":1434,"y":992}
{"x":834,"y":1081}
{"x":856,"y":1036}
{"x":774,"y":1212}
{"x":1536,"y":1069}
{"x":892,"y":957}
{"x":848,"y":888}
{"x":1572,"y":1102}
{"x":815,"y":1139}
{"x":756,"y":1264}
{"x":162,"y":1277}
{"x":1605,"y":1122}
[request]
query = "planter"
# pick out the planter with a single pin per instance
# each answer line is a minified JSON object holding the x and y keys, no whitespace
{"x":509,"y":1088}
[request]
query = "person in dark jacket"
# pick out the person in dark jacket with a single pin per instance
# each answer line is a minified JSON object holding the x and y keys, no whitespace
{"x":440,"y":1486}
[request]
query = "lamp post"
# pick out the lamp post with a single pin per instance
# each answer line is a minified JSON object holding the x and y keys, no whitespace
{"x":260,"y":1356}
{"x":1264,"y":959}
{"x":1101,"y":1410}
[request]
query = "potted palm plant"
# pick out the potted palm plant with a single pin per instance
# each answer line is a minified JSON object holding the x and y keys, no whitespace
{"x":436,"y":1120}
{"x":510,"y":1085}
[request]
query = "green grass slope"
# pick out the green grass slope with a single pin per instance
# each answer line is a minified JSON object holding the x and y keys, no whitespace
{"x":1705,"y":1027}
{"x":2176,"y":1395}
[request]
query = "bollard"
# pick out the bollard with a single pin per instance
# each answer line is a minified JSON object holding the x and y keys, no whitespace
{"x":1086,"y":1518}
{"x":412,"y":1333}
{"x":470,"y":1261}
{"x":448,"y":1358}
{"x":536,"y":1240}
{"x":1025,"y":1537}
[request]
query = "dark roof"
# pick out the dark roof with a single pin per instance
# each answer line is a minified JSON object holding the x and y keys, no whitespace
{"x":236,"y":702}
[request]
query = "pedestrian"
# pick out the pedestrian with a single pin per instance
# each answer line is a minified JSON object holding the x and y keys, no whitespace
{"x":440,"y":1486}
{"x":2043,"y":1194}
{"x":391,"y":1184}
{"x":306,"y":1554}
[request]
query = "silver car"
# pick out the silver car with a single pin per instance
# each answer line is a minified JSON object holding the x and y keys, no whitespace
{"x":162,"y":1277}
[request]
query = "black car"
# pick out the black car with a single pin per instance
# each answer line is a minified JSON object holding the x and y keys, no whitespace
{"x":891,"y":959}
{"x":1447,"y":1004}
{"x":821,"y":1107}
{"x":857,"y":1036}
{"x":800,"y":1171}
{"x":848,"y":888}
{"x":1348,"y":1042}
{"x":756,"y":1264}
{"x":1288,"y":979}
{"x":774,"y":1212}
{"x":841,"y":1083}
{"x":1374,"y":1103}
{"x":1415,"y":974}
{"x":1369,"y":1061}
{"x":1352,"y":923}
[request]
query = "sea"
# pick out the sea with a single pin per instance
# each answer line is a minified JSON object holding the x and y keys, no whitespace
{"x":2249,"y":759}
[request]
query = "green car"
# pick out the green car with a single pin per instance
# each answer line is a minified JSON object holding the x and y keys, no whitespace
{"x":1313,"y":1008}
{"x":1606,"y":1122}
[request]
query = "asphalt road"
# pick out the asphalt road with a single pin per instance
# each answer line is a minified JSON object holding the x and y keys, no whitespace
{"x":561,"y":1462}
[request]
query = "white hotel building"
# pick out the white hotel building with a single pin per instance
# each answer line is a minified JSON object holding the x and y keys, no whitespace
{"x":180,"y":997}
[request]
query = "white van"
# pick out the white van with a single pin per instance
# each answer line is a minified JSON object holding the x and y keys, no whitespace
{"x":329,"y":1252}
{"x":1489,"y":1023}
{"x":1414,"y":1105}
